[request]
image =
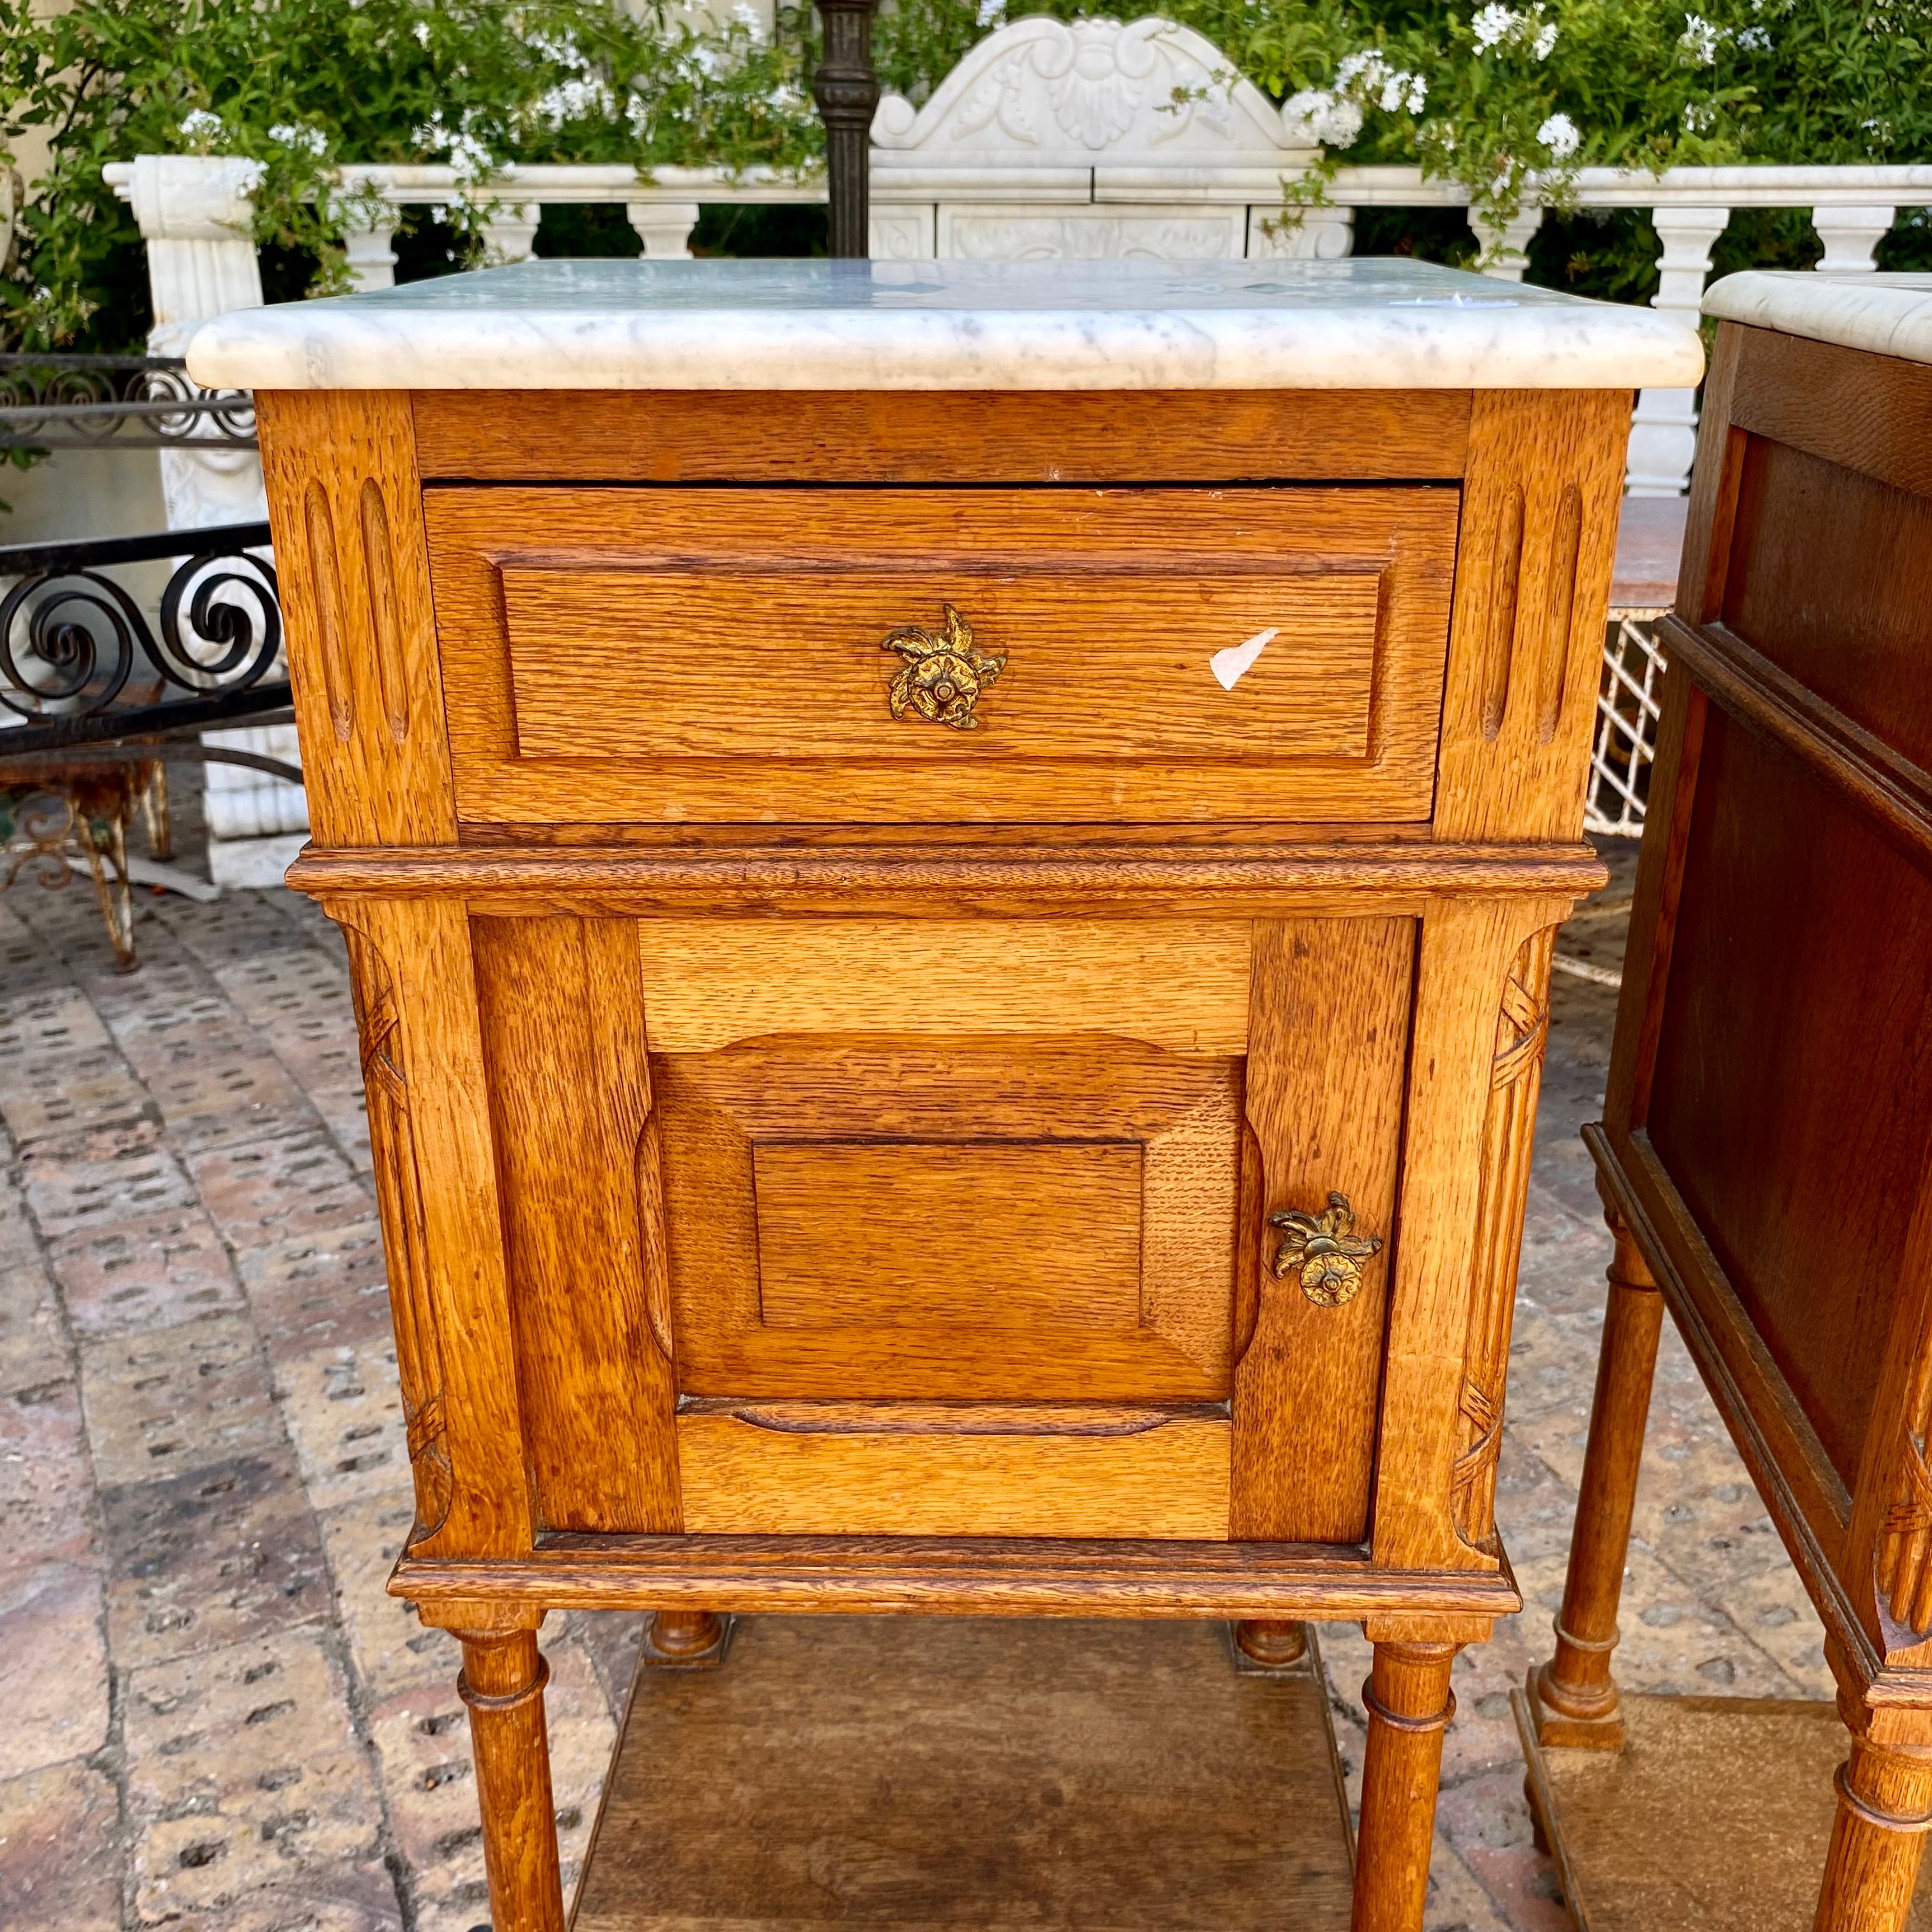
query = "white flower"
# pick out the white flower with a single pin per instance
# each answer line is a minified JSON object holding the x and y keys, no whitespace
{"x":298,"y":135}
{"x":420,"y":30}
{"x":574,"y":99}
{"x":1328,"y":120}
{"x":991,"y":13}
{"x":1493,"y":22}
{"x":1756,"y":39}
{"x":750,"y":19}
{"x":1559,"y":135}
{"x":201,"y":124}
{"x":1699,"y":117}
{"x":1545,"y":39}
{"x":1699,"y":40}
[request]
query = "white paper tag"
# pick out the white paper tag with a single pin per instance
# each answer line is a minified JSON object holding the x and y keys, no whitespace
{"x":1232,"y":665}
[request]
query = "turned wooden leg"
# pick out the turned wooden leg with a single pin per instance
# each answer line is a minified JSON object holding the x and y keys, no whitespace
{"x":685,"y":1640}
{"x":1573,"y":1696}
{"x":502,"y":1682}
{"x":1409,"y":1705}
{"x":1275,"y":1643}
{"x":1885,"y":1808}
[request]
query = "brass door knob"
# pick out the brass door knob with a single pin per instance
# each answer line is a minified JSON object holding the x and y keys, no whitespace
{"x":1325,"y":1250}
{"x":943,"y":674}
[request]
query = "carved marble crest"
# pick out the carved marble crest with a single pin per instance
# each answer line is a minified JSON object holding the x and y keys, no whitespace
{"x":1044,"y":93}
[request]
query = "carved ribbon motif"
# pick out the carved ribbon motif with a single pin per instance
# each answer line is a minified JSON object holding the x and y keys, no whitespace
{"x":1905,"y":1543}
{"x":399,"y":1197}
{"x":1523,"y":1027}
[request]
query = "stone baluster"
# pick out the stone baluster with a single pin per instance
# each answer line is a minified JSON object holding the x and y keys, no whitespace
{"x":195,"y":213}
{"x":664,"y":227}
{"x":1512,"y":247}
{"x":1851,"y":236}
{"x":372,"y":255}
{"x":1664,"y":436}
{"x":509,"y":232}
{"x":1322,"y":235}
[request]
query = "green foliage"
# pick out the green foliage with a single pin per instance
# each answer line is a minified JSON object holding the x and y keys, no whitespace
{"x":1508,"y":99}
{"x":297,"y":86}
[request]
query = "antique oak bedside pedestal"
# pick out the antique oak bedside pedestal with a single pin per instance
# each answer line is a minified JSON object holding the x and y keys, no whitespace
{"x":949,"y":872}
{"x":1765,"y":1153}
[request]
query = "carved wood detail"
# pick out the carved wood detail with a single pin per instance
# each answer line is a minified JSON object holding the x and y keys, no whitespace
{"x":1905,"y":1545}
{"x":1522,"y":1025}
{"x":399,"y":1197}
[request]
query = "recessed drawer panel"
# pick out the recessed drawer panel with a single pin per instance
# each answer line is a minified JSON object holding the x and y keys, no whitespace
{"x":942,"y":654}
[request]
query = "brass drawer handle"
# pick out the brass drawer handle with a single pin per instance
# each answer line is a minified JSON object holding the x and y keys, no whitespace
{"x":944,"y":672}
{"x":1325,"y":1250}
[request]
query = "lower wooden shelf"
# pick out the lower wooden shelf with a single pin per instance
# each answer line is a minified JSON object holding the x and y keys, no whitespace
{"x":936,"y":1774}
{"x":1715,"y":1815}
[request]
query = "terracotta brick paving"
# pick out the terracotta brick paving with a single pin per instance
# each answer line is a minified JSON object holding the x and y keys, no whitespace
{"x":213,"y":1717}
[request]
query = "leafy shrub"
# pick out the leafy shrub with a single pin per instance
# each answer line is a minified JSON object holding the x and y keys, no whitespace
{"x":1508,"y":99}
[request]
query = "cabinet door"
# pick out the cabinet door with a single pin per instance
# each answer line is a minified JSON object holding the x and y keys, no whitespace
{"x":955,"y":1228}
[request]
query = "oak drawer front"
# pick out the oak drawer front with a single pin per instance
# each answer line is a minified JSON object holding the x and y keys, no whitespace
{"x":889,"y":655}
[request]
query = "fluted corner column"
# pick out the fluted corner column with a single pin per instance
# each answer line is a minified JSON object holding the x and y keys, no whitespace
{"x":847,"y":91}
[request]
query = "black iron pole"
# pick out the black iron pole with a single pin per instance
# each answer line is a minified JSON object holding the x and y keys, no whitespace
{"x":847,"y":91}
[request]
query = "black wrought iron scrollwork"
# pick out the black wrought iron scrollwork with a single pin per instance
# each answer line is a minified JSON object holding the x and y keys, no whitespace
{"x":130,"y":402}
{"x":69,"y":636}
{"x":81,"y":660}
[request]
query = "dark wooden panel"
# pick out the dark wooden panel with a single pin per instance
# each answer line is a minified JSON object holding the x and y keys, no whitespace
{"x":881,"y":436}
{"x":1868,"y":413}
{"x":1037,"y":1774}
{"x":1830,"y":576}
{"x":562,"y":1003}
{"x":1791,"y":1101}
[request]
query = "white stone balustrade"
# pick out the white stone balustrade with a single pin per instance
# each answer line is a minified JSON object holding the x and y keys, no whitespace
{"x":194,"y":212}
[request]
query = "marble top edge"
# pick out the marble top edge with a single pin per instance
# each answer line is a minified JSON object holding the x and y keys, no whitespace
{"x":1887,"y":314}
{"x":1360,"y":322}
{"x":951,"y":286}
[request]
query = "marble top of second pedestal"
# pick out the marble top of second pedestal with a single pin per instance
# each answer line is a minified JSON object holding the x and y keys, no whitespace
{"x":1359,"y":323}
{"x":1890,"y":315}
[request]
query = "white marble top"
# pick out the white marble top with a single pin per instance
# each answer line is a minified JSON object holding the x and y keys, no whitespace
{"x":1890,"y":315}
{"x":795,"y":325}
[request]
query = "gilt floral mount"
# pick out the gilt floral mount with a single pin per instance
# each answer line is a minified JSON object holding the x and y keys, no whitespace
{"x":943,"y":674}
{"x":1324,"y":1250}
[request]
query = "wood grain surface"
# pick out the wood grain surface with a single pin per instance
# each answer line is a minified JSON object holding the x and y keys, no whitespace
{"x":563,"y":1022}
{"x":1043,"y":1775}
{"x":345,"y":502}
{"x":1780,"y":1159}
{"x":1319,"y":1121}
{"x":745,"y":1476}
{"x":941,"y":877}
{"x":1180,"y":985}
{"x":784,"y":662}
{"x":775,"y":698}
{"x":991,"y":1242}
{"x":1041,"y":1331}
{"x":987,"y":1575}
{"x":1172,"y":435}
{"x":1538,"y":541}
